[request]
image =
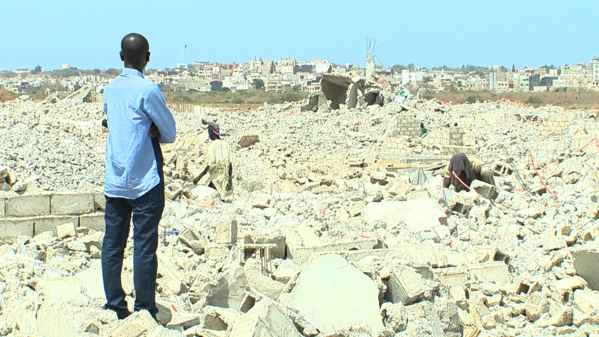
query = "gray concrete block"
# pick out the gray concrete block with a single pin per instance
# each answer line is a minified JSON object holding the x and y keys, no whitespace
{"x":99,"y":201}
{"x":486,"y":191}
{"x":93,"y":221}
{"x":405,"y":285}
{"x":13,"y":227}
{"x":71,"y":203}
{"x":28,"y":205}
{"x":49,"y":223}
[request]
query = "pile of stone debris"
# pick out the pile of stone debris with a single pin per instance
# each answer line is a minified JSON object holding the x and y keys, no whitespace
{"x":339,"y":225}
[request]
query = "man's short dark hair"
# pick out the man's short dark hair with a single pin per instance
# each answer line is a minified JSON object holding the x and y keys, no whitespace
{"x":135,"y":48}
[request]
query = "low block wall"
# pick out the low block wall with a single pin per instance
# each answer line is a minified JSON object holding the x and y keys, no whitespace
{"x":32,"y":214}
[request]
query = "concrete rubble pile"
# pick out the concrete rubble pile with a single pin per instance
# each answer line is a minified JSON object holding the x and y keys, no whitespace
{"x":338,"y":226}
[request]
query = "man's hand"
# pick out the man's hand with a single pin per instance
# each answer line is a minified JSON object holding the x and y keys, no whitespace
{"x":154,"y":132}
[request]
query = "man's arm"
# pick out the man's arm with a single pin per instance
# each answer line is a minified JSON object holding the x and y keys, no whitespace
{"x":446,"y":176}
{"x":446,"y":182}
{"x":161,"y":116}
{"x":196,"y":179}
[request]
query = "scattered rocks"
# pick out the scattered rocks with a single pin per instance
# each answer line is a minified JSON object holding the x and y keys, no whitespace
{"x":338,"y":225}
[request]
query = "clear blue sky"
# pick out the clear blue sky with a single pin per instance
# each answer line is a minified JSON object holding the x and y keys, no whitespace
{"x":87,"y":34}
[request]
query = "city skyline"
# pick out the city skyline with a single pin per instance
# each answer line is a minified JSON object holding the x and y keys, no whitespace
{"x":428,"y":34}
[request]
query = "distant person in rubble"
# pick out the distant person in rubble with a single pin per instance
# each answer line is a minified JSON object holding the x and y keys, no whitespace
{"x":423,"y":129}
{"x":218,"y":163}
{"x":138,"y":121}
{"x":461,"y":171}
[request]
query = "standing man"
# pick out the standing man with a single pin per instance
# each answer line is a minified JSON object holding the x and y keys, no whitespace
{"x":138,"y":121}
{"x":218,"y":164}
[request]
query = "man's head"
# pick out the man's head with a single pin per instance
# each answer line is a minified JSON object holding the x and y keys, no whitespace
{"x":135,"y":51}
{"x":213,"y":131}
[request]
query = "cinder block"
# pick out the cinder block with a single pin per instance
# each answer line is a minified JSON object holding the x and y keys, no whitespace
{"x":492,"y":272}
{"x":216,"y":251}
{"x":405,"y":285}
{"x":226,"y":231}
{"x":485,"y":190}
{"x":28,"y":205}
{"x":454,"y":276}
{"x":49,"y":223}
{"x":72,"y":204}
{"x":93,"y":221}
{"x":13,"y":227}
{"x":99,"y":201}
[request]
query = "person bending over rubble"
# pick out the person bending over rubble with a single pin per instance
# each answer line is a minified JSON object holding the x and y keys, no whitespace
{"x":218,"y":163}
{"x":138,"y":121}
{"x":461,"y":171}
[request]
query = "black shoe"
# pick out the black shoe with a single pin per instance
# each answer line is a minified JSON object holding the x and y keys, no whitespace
{"x":120,"y":313}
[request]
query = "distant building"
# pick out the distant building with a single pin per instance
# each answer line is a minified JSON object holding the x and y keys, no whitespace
{"x":594,"y":76}
{"x":262,"y":66}
{"x":321,"y":66}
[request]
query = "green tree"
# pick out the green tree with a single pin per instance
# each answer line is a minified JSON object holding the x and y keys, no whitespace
{"x":258,"y":83}
{"x":113,"y":71}
{"x":36,"y":70}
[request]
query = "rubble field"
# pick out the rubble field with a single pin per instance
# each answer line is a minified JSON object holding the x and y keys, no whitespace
{"x":338,"y":225}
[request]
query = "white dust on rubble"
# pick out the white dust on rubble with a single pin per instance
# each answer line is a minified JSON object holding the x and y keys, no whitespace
{"x":311,"y":184}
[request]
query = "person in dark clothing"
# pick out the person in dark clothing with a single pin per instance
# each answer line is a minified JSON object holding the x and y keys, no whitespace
{"x":459,"y":167}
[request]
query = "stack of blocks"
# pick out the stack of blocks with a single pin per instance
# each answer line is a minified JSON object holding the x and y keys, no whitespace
{"x":32,"y":214}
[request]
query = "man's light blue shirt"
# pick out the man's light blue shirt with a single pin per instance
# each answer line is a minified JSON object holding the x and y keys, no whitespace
{"x":132,"y":104}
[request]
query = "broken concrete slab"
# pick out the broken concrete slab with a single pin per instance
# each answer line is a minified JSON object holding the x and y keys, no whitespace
{"x":418,"y":215}
{"x":586,"y":261}
{"x":345,"y":296}
{"x":266,"y":318}
{"x":230,"y":291}
{"x":405,"y":285}
{"x":248,"y":140}
{"x":140,"y":323}
{"x":301,"y":254}
{"x":54,"y":323}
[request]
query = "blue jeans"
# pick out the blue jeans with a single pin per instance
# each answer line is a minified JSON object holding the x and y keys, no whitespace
{"x":145,"y":212}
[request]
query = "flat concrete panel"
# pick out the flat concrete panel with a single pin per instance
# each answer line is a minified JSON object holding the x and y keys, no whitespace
{"x":72,"y":204}
{"x":13,"y":227}
{"x":28,"y":205}
{"x":331,"y":293}
{"x":49,"y":223}
{"x":2,"y":207}
{"x":93,"y":221}
{"x":585,"y":263}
